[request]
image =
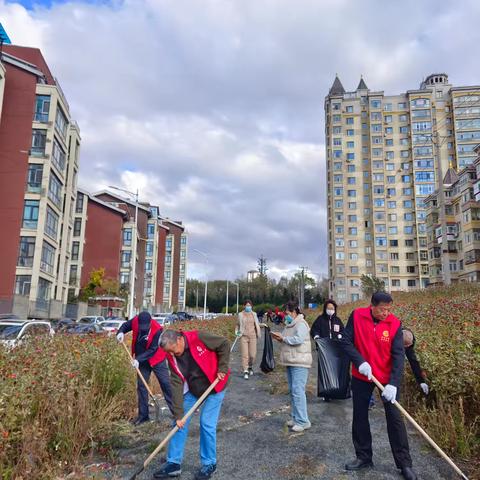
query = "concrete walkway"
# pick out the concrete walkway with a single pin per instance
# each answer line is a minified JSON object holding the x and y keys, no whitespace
{"x":254,"y":442}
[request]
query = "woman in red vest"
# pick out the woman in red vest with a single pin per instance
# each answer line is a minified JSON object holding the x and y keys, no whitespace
{"x":148,"y":357}
{"x":373,"y":339}
{"x":196,"y":359}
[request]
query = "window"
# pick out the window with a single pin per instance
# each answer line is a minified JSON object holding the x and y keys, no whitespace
{"x":148,"y":265}
{"x":337,"y":142}
{"x":39,"y":138}
{"x":407,"y":191}
{"x":349,"y":109}
{"x":55,"y":190}
{"x":352,"y":205}
{"x":26,"y":251}
{"x":127,"y":237}
{"x":394,"y":243}
{"x":338,"y":203}
{"x":72,"y":280}
{"x":124,"y":278}
{"x":34,"y":178}
{"x":395,"y":283}
{"x":79,"y":203}
{"x":349,"y":120}
{"x":388,"y":119}
{"x":350,"y":144}
{"x":377,"y":152}
{"x":336,"y":118}
{"x":424,"y":177}
{"x":22,"y":284}
{"x":403,"y":129}
{"x":354,"y":270}
{"x":48,"y":258}
{"x":61,"y":122}
{"x":30,"y":214}
{"x":389,"y":155}
{"x":391,"y":179}
{"x":149,"y":249}
{"x":351,"y":180}
{"x":51,"y":223}
{"x":150,"y":231}
{"x":408,"y":229}
{"x":381,"y":241}
{"x":402,"y":106}
{"x":350,"y":132}
{"x":387,"y":107}
{"x":376,"y":128}
{"x":336,"y":130}
{"x":392,"y":230}
{"x":75,"y":250}
{"x":392,"y":204}
{"x":337,"y":153}
{"x":389,"y":142}
{"x":126,"y":257}
{"x":43,"y":290}
{"x":353,"y":256}
{"x":404,"y":154}
{"x":353,"y":243}
{"x":425,"y":189}
{"x":339,"y":242}
{"x":352,"y":193}
{"x":350,"y":168}
{"x":406,"y":178}
{"x":388,"y":130}
{"x":337,"y":166}
{"x":352,"y":231}
{"x":350,"y":156}
{"x":338,"y":178}
{"x":58,"y":156}
{"x":340,"y":256}
{"x":352,"y":218}
{"x":42,"y":107}
{"x":375,"y":103}
{"x":77,"y":227}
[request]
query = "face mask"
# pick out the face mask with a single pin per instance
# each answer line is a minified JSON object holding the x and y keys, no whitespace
{"x":248,"y":308}
{"x":288,"y":320}
{"x":330,"y":313}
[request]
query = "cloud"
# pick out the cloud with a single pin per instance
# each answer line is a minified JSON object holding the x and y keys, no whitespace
{"x":214,"y":109}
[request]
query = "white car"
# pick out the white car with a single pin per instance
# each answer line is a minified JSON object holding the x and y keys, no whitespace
{"x":162,"y":318}
{"x":111,"y":326}
{"x":91,"y":319}
{"x":14,"y":332}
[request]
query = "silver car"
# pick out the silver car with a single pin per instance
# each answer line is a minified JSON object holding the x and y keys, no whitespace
{"x":15,"y":332}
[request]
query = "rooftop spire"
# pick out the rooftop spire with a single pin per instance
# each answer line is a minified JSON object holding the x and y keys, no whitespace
{"x":450,"y":177}
{"x":362,"y":85}
{"x":337,"y":87}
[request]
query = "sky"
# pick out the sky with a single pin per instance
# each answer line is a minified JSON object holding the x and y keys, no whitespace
{"x":214,"y":108}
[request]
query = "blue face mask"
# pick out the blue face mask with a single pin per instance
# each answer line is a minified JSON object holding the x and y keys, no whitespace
{"x":288,"y":320}
{"x":248,"y":308}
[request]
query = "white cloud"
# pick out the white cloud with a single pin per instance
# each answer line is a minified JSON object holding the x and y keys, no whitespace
{"x":214,"y":109}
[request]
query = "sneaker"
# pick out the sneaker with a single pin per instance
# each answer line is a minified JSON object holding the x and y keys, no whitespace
{"x":206,"y":472}
{"x":250,"y":371}
{"x":168,"y":470}
{"x":245,"y":375}
{"x":301,"y":428}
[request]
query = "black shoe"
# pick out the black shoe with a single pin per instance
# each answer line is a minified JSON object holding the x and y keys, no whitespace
{"x":358,"y":464}
{"x":140,"y":420}
{"x":205,"y":472}
{"x":408,"y":473}
{"x":168,"y":470}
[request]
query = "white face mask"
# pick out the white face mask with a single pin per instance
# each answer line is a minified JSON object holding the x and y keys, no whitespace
{"x":330,"y":313}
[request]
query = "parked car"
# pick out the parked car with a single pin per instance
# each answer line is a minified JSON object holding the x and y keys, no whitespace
{"x":84,"y":329}
{"x":111,"y":326}
{"x":91,"y":319}
{"x":7,"y":316}
{"x":161,"y":317}
{"x":184,"y":316}
{"x":15,"y":332}
{"x":59,"y":325}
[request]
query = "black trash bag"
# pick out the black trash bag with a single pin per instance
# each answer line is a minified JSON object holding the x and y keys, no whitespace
{"x":268,"y":360}
{"x":333,"y":369}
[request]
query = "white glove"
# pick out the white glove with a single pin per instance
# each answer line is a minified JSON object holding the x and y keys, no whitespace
{"x":390,"y":393}
{"x":365,"y":369}
{"x":316,"y":336}
{"x":424,"y":388}
{"x":135,"y":363}
{"x":120,"y":337}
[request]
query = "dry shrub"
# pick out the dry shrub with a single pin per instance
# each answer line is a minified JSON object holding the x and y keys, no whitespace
{"x":58,"y":399}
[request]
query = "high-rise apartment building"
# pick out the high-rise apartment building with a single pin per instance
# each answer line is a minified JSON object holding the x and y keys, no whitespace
{"x":39,"y":150}
{"x":385,"y":155}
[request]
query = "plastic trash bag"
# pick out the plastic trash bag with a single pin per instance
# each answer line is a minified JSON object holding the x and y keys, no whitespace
{"x":268,"y":360}
{"x":333,"y":369}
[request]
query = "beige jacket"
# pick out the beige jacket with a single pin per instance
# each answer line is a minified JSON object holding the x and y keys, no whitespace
{"x":242,"y":319}
{"x":296,"y":349}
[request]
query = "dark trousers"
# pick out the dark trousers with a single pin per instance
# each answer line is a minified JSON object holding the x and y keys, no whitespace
{"x":362,"y":437}
{"x":161,"y":372}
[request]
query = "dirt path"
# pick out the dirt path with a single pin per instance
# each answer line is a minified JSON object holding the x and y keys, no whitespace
{"x":254,"y":443}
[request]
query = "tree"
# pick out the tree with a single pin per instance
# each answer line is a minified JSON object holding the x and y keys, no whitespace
{"x":371,"y":284}
{"x":262,"y":266}
{"x":94,"y":281}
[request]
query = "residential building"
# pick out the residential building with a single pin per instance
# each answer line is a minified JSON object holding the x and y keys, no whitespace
{"x":454,"y":240}
{"x":252,"y":275}
{"x":39,"y":154}
{"x":385,"y":155}
{"x":103,"y":237}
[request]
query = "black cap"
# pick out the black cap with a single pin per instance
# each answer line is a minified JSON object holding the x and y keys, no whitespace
{"x":144,"y":319}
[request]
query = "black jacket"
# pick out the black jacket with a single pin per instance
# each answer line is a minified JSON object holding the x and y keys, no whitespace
{"x":397,"y":351}
{"x":142,"y":353}
{"x":414,"y":363}
{"x":326,"y":326}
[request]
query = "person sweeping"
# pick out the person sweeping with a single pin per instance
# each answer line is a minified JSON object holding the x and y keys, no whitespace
{"x":148,"y":358}
{"x":373,"y":339}
{"x":196,"y":360}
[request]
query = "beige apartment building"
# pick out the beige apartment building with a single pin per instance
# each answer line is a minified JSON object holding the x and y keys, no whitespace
{"x":39,"y":186}
{"x":454,"y":240}
{"x":385,"y":155}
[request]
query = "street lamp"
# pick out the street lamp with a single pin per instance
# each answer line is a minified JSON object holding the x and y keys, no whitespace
{"x":235,"y":283}
{"x":131,"y":306}
{"x":205,"y":255}
{"x":226,"y":300}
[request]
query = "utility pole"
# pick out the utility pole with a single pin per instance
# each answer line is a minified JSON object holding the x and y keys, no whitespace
{"x":301,"y":299}
{"x":262,"y":265}
{"x":226,"y":300}
{"x":196,"y":300}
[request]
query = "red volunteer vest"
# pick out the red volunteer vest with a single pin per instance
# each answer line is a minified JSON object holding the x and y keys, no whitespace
{"x":374,"y":343}
{"x":206,"y":359}
{"x":160,"y":354}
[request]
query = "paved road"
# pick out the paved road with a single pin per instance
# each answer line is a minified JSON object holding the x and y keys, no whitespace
{"x":254,"y":443}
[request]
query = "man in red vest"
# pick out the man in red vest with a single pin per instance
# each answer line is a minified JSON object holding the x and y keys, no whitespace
{"x":149,"y":357}
{"x":373,"y":339}
{"x":196,"y":359}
